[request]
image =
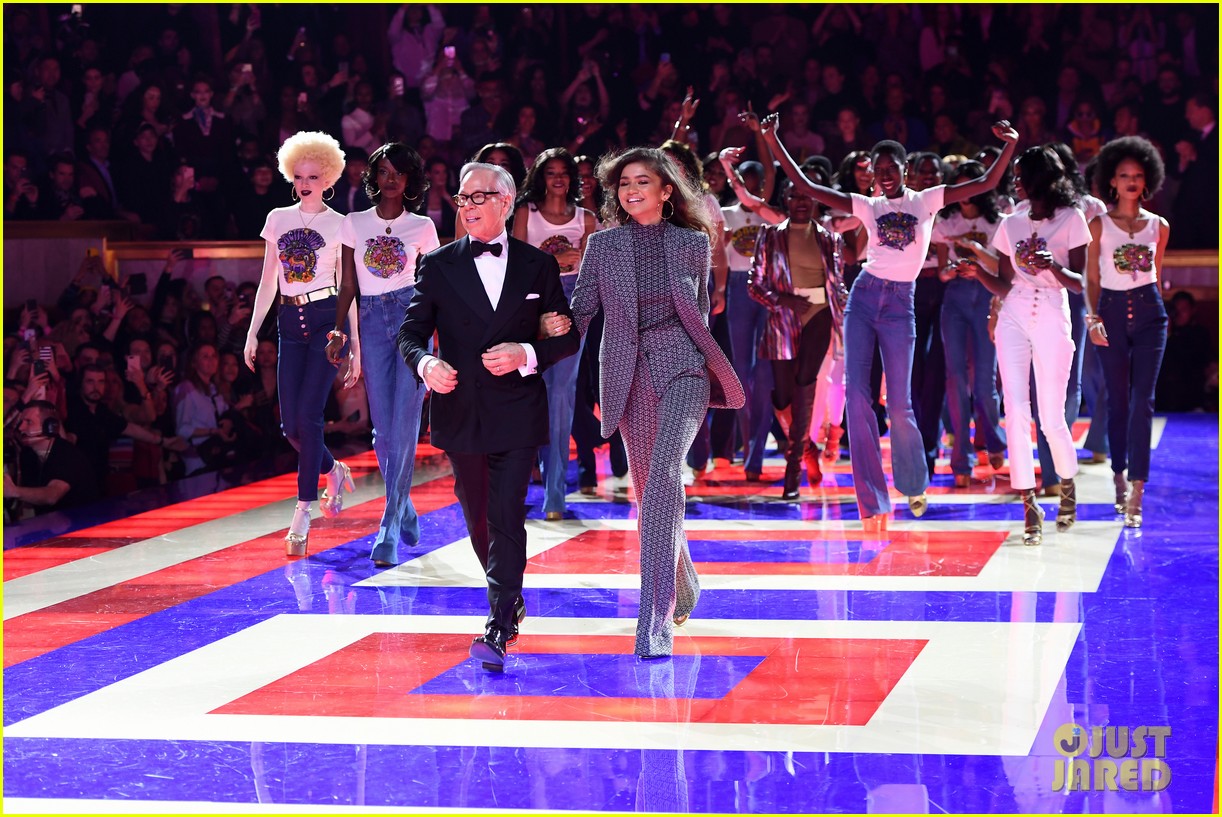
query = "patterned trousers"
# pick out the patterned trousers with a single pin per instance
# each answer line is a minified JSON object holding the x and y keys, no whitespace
{"x":658,"y":429}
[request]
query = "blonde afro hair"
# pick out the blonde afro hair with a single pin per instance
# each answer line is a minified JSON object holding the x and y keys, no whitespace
{"x":313,"y":146}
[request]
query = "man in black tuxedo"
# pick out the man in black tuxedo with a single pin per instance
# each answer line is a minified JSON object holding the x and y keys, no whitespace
{"x":1194,"y":214}
{"x":485,"y":295}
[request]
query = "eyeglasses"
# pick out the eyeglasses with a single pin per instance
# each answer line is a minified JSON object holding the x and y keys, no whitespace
{"x":478,"y":197}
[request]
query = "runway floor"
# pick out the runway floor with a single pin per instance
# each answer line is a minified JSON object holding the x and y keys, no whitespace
{"x":162,"y":655}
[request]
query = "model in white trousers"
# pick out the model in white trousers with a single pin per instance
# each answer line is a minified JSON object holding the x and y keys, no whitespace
{"x":1033,"y":328}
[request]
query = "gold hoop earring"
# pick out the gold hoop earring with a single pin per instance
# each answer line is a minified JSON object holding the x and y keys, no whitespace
{"x":325,"y":197}
{"x":672,"y":209}
{"x":293,"y":193}
{"x":410,"y":198}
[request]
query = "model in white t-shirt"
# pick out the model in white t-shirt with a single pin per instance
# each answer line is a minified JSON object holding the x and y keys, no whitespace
{"x":1041,"y":251}
{"x":381,"y":247}
{"x":300,"y":273}
{"x":880,"y":311}
{"x":548,"y":217}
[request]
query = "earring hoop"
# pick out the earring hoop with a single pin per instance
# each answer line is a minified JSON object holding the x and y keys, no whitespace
{"x":1145,"y":193}
{"x":293,"y":193}
{"x":325,"y":197}
{"x":672,"y":209}
{"x":410,"y":198}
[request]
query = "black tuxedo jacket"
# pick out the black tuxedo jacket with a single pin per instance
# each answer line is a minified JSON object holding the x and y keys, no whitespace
{"x":486,"y":413}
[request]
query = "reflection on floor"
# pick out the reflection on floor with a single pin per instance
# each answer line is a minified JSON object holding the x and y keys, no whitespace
{"x":171,"y":659}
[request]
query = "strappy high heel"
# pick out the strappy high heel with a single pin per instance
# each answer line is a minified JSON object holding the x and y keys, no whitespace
{"x":1033,"y":519}
{"x":339,"y":479}
{"x":1122,"y":492}
{"x":1132,"y":509}
{"x":1067,"y":514}
{"x":298,"y":543}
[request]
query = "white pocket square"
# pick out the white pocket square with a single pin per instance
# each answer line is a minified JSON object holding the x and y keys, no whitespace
{"x":532,"y":296}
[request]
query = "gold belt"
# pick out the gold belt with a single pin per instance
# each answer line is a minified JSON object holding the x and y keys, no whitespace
{"x":302,"y":300}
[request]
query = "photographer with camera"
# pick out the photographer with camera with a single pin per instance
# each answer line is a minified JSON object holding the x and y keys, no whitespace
{"x":52,"y":474}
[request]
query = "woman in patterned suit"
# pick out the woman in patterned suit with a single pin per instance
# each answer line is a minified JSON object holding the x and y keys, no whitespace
{"x":660,"y":369}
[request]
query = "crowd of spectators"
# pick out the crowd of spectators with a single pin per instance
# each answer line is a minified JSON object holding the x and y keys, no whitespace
{"x":170,"y":119}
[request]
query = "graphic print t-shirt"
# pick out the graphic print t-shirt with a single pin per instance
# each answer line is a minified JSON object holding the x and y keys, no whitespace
{"x":308,"y":248}
{"x":899,"y":231}
{"x":1020,"y":238}
{"x":386,"y":263}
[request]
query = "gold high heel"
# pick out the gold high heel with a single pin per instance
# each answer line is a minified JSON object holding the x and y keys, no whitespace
{"x":1132,"y":510}
{"x":1033,"y":519}
{"x":918,"y":505}
{"x":296,"y":544}
{"x":1067,"y":514}
{"x":332,"y":505}
{"x":1122,"y":492}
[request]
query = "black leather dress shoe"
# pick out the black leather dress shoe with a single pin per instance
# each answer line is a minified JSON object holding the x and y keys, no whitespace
{"x":490,"y":648}
{"x":519,"y":613}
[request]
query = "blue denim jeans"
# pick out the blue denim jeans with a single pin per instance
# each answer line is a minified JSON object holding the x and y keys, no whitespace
{"x":747,"y":319}
{"x":395,"y":401}
{"x":965,"y":335}
{"x":1136,"y":325}
{"x":303,"y":381}
{"x":561,"y":380}
{"x":1073,"y":391}
{"x":880,"y":313}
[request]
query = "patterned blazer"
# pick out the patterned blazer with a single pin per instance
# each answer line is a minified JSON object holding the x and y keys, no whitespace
{"x":770,"y":275}
{"x":607,"y":279}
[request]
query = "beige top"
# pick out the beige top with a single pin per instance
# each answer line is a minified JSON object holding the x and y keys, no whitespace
{"x":806,"y":268}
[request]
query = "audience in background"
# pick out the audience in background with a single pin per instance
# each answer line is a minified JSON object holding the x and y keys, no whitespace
{"x":171,"y":120}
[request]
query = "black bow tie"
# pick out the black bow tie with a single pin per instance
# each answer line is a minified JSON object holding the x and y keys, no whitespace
{"x":478,"y":248}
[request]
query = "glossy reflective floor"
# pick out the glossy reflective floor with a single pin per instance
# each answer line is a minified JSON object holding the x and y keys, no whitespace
{"x":162,"y":655}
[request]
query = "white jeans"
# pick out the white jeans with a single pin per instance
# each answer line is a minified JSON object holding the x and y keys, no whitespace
{"x":1033,"y":329}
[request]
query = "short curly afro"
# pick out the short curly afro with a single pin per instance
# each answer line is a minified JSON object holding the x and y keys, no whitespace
{"x":312,"y":146}
{"x":1128,"y":147}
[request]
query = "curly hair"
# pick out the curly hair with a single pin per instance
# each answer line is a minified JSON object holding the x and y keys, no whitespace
{"x":534,"y":189}
{"x":688,"y":201}
{"x":1129,"y":147}
{"x":403,"y":159}
{"x":1044,"y":179}
{"x":312,"y":146}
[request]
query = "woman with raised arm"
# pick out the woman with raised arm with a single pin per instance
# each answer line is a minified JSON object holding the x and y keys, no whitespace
{"x":880,"y":311}
{"x":661,"y":370}
{"x":301,"y":275}
{"x":1124,"y":308}
{"x":1040,"y":251}
{"x":381,"y":280}
{"x":548,"y":218}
